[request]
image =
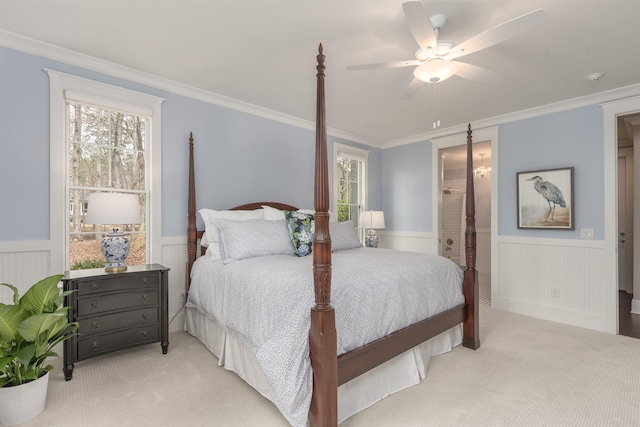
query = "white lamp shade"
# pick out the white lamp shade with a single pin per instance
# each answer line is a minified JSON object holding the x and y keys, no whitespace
{"x":113,"y":208}
{"x":435,"y":70}
{"x":372,"y":219}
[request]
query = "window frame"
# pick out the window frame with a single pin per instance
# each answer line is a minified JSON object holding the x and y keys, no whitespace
{"x":63,"y":87}
{"x":357,"y":154}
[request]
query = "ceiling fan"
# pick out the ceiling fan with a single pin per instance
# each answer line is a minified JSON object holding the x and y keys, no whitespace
{"x":435,"y":60}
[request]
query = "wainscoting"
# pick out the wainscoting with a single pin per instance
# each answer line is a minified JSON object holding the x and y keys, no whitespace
{"x":553,"y":279}
{"x":24,"y":263}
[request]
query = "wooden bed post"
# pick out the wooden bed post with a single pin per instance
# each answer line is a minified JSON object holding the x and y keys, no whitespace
{"x":322,"y":334}
{"x":191,"y":217}
{"x":470,"y":327}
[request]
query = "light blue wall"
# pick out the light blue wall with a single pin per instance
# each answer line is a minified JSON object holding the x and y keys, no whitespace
{"x":569,"y":138}
{"x":572,"y":138}
{"x":24,"y":147}
{"x":406,"y":187}
{"x":240,"y":158}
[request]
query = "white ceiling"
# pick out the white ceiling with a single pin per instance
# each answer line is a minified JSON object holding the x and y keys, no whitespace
{"x":263,"y":53}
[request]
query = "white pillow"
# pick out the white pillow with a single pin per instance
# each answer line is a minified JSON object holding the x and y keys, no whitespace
{"x":253,"y":238}
{"x":210,"y":218}
{"x":273,"y":213}
{"x":344,"y":235}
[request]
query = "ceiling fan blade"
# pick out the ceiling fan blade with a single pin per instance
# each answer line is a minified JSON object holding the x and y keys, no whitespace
{"x":420,"y":25}
{"x":396,"y":64}
{"x":497,"y":34}
{"x":475,"y":73}
{"x":412,"y":88}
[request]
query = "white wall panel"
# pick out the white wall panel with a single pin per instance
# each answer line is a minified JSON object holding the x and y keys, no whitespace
{"x":174,"y":256}
{"x":559,"y":280}
{"x":22,"y":264}
{"x":407,"y":241}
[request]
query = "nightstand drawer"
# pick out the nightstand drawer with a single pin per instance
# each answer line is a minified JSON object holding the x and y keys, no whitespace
{"x":120,"y":320}
{"x":124,"y":282}
{"x":101,"y":303}
{"x":114,"y":341}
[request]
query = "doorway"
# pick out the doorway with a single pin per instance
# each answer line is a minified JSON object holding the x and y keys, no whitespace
{"x":452,"y":209}
{"x":628,"y":136}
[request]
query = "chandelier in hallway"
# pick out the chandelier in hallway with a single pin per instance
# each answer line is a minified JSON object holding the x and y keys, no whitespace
{"x":482,"y":171}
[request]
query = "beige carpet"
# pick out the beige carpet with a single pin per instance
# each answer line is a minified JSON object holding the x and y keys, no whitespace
{"x":528,"y":372}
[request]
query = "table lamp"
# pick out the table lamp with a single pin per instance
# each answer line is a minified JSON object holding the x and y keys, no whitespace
{"x":114,"y":209}
{"x":371,"y":220}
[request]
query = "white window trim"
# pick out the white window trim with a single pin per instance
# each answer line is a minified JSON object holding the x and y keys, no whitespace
{"x":355,"y":153}
{"x":63,"y":86}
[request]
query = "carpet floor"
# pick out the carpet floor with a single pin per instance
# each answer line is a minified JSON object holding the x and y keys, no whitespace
{"x":527,"y":372}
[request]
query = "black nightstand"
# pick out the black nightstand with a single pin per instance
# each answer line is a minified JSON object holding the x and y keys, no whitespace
{"x":115,"y":311}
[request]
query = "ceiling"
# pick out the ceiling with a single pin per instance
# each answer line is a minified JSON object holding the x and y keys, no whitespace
{"x":263,"y":53}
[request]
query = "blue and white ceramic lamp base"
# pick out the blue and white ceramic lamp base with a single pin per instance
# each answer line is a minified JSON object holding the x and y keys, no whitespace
{"x":115,"y":248}
{"x":371,"y":239}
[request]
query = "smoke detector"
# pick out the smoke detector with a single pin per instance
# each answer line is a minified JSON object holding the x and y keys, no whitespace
{"x":595,"y":76}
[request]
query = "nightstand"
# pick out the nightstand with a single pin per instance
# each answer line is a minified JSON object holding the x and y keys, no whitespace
{"x":115,"y":311}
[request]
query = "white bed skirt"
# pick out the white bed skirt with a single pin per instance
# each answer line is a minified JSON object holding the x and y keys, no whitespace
{"x":401,"y":372}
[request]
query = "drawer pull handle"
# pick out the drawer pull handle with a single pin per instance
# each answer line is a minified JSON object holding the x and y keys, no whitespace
{"x":94,"y":345}
{"x":94,"y":305}
{"x":94,"y":286}
{"x":144,"y":297}
{"x":144,"y":316}
{"x":144,"y":281}
{"x":94,"y":325}
{"x":145,"y":334}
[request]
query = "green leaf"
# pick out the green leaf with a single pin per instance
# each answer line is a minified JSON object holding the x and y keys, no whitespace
{"x":10,"y":318}
{"x":41,"y":297}
{"x":31,"y":328}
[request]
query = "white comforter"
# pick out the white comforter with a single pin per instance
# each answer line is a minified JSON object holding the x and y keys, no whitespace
{"x":265,"y":303}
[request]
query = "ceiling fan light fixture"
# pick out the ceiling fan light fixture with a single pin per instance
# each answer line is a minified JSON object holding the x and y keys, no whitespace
{"x":435,"y":70}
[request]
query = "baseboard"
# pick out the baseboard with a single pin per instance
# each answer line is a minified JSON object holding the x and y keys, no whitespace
{"x":564,"y":315}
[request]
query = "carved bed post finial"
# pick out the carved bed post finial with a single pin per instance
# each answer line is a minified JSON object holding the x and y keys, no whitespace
{"x":322,"y":240}
{"x":471,"y":326}
{"x":322,"y":332}
{"x":191,"y":216}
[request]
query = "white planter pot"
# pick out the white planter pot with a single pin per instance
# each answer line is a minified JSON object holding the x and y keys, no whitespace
{"x":24,"y":402}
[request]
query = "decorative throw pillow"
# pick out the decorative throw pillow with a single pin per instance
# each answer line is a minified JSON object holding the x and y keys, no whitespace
{"x":253,"y":238}
{"x":301,"y":229}
{"x":344,"y":235}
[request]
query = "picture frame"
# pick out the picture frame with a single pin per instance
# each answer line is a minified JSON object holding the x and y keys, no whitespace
{"x":545,"y":199}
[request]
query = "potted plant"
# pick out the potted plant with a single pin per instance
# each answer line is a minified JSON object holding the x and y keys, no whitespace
{"x":30,"y":328}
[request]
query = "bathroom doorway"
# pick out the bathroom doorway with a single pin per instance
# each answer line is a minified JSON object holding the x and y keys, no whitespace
{"x":453,"y":209}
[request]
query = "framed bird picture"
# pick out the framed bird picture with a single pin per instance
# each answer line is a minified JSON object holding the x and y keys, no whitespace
{"x":545,"y":199}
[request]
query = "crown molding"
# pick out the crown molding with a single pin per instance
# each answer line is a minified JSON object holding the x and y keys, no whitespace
{"x":67,"y":56}
{"x":568,"y":104}
{"x":70,"y":57}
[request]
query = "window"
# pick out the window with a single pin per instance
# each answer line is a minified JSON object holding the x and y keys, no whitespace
{"x":106,"y":153}
{"x":103,"y":138}
{"x":350,"y":178}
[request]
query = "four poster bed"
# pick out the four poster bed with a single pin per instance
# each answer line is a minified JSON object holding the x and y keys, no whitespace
{"x":252,"y":304}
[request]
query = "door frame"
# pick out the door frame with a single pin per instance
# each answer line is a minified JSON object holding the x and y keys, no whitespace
{"x":478,"y":135}
{"x":611,"y":111}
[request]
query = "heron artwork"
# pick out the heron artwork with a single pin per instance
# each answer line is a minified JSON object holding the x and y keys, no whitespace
{"x":551,"y":193}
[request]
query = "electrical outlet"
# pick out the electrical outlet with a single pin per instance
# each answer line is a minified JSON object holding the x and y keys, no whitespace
{"x":555,"y":292}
